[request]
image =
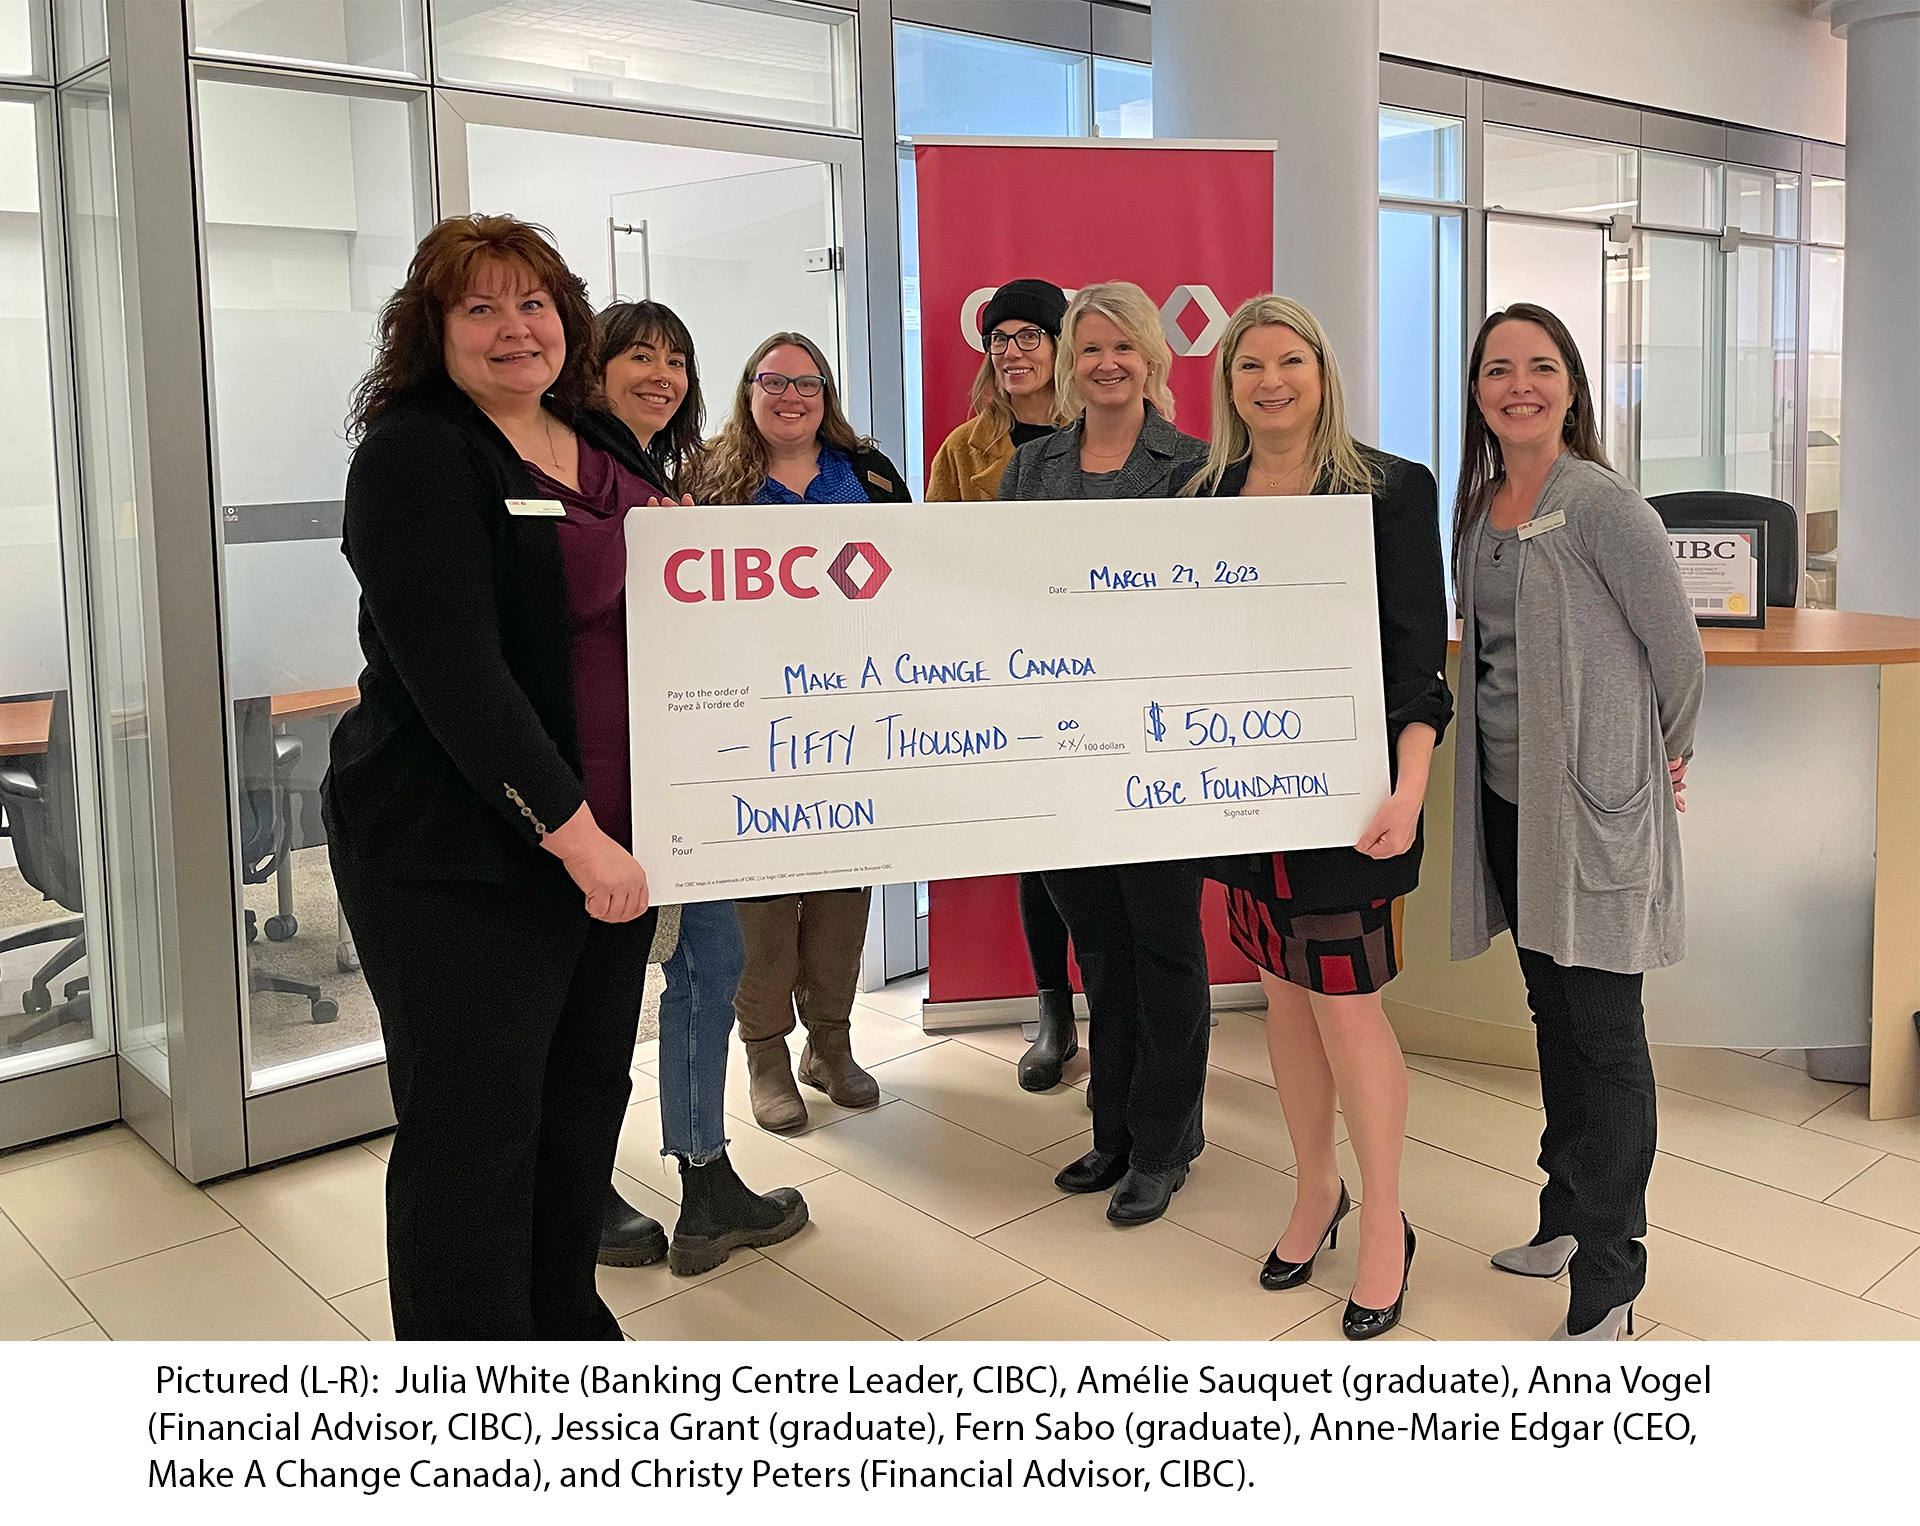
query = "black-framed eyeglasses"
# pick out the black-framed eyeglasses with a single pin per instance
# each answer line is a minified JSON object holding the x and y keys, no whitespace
{"x":773,"y":384}
{"x":1027,"y":338}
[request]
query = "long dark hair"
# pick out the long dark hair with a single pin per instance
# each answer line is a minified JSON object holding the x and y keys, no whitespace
{"x":1481,"y":467}
{"x":626,"y":324}
{"x":409,"y":354}
{"x":733,"y":464}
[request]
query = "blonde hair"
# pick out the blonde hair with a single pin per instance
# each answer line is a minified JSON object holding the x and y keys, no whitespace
{"x":990,"y":402}
{"x":1333,"y":455}
{"x":732,"y":466}
{"x":1130,"y":310}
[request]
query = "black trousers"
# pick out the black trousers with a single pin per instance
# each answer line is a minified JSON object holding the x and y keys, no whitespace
{"x":1046,"y":934}
{"x":1596,"y":1079}
{"x":1143,"y":959}
{"x":509,"y":1017}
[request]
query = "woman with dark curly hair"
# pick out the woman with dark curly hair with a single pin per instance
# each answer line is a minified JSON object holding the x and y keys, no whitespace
{"x":478,"y":804}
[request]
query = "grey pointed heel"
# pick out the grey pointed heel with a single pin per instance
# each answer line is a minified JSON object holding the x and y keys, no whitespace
{"x":1548,"y":1259}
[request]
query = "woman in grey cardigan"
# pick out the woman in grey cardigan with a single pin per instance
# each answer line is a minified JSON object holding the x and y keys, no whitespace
{"x":1581,"y":676}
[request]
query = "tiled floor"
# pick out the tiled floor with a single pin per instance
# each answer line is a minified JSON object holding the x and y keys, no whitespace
{"x":1778,"y":1211}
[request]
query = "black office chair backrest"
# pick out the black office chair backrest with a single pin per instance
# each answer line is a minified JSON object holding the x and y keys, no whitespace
{"x":1783,"y":531}
{"x":262,"y":828}
{"x":45,"y":826}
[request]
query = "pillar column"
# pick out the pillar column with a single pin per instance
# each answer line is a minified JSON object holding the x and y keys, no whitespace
{"x":1306,"y":74}
{"x":1879,"y":546}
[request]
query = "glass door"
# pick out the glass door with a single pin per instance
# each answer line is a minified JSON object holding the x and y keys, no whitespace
{"x":1679,"y":419}
{"x":738,"y":257}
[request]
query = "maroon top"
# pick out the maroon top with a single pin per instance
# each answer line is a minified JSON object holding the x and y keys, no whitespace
{"x":593,"y":551}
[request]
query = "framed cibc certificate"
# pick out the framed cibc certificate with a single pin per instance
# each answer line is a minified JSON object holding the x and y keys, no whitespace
{"x":827,"y":695}
{"x":1724,"y":569}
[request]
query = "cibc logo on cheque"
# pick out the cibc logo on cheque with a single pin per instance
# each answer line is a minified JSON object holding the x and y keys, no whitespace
{"x":742,"y":573}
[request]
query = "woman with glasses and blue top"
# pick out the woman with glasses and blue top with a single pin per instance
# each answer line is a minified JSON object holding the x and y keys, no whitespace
{"x":788,"y":441}
{"x":1014,"y":402}
{"x":648,"y":374}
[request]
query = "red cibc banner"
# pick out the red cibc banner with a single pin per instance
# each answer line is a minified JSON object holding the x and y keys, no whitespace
{"x":1190,"y":223}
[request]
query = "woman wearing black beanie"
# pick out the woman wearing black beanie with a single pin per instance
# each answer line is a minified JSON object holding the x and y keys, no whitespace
{"x":1013,"y":402}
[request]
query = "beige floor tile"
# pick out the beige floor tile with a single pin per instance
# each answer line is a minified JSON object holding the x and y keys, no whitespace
{"x":1779,"y":1229}
{"x":959,"y":1177}
{"x":1325,"y":1326}
{"x":646,"y":1088}
{"x":647,"y":1052}
{"x":1506,"y":1081}
{"x":1758,"y":1054}
{"x":1234,"y":1202}
{"x":1900,"y":1288}
{"x":1458,"y":1199}
{"x":1244,"y":1116}
{"x":969,"y":1087}
{"x":907,"y":1272}
{"x":760,"y":1302}
{"x":821,"y":1109}
{"x":764,"y":1160}
{"x":1794,"y":1057}
{"x":1160,"y":1276}
{"x":647,"y":1068}
{"x":1660,"y":1333}
{"x":1718,"y":1296}
{"x":880,"y":1035}
{"x":1765,"y":1150}
{"x":380,"y":1144}
{"x":86,"y":1332}
{"x":369,"y":1310}
{"x":1454,"y":1293}
{"x":1044,"y":1312}
{"x":226,"y":1288}
{"x":34,"y":1302}
{"x":86,"y":1211}
{"x":1740,"y":1080}
{"x":1239,"y":1044}
{"x":626,"y":1288}
{"x":1066,"y":1152}
{"x":59,"y":1149}
{"x":1469,"y":1122}
{"x":899,"y":998}
{"x":1888,"y":1190}
{"x":1847,"y":1119}
{"x":325,"y":1216}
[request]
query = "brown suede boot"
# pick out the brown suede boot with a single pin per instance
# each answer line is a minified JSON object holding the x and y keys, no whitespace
{"x":828,"y":1064}
{"x":776,"y":1100}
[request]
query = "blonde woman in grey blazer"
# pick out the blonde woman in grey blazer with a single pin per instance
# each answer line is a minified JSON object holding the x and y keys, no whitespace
{"x":1580,"y":676}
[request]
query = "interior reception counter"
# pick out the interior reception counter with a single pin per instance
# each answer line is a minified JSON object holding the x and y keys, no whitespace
{"x":1802,"y":846}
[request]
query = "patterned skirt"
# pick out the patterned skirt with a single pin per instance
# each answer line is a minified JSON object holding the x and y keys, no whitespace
{"x":1337,"y":953}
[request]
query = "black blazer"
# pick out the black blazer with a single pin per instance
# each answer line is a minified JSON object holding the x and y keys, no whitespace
{"x":1413,"y":658}
{"x":463,"y":751}
{"x":879,"y":477}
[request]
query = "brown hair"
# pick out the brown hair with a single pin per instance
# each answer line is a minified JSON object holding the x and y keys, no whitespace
{"x":409,"y":359}
{"x":1480,"y":465}
{"x":733,"y":466}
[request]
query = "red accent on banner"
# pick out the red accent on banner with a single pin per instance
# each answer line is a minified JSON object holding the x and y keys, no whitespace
{"x":1194,"y":228}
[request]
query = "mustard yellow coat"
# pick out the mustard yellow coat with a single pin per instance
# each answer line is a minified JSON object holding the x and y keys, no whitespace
{"x":967,"y":468}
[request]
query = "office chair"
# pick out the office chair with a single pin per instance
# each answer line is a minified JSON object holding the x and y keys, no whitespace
{"x":265,"y":841}
{"x":39,"y":802}
{"x":1783,"y":532}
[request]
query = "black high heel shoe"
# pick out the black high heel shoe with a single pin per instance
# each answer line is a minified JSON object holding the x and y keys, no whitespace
{"x":1277,"y":1275}
{"x":1359,"y":1324}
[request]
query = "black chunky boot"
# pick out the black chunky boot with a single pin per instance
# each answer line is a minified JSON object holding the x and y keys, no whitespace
{"x":1057,"y":1042}
{"x":627,"y":1236}
{"x":718,"y":1212}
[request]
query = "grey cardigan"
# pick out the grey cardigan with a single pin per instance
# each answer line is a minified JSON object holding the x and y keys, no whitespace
{"x":1049,"y":468}
{"x":1611,"y":677}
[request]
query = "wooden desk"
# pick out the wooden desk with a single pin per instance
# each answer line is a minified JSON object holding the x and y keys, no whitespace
{"x":24,"y":724}
{"x":1805,"y":638}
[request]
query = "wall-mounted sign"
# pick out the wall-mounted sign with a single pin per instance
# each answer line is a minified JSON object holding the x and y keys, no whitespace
{"x":1724,"y":570}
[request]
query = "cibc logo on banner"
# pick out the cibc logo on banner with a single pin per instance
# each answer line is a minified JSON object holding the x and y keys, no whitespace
{"x":857,"y":571}
{"x":1191,"y":304}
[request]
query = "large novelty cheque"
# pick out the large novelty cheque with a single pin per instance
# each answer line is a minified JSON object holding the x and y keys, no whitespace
{"x":864,"y":694}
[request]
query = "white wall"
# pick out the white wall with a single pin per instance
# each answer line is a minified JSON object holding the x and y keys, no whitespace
{"x":1759,"y":63}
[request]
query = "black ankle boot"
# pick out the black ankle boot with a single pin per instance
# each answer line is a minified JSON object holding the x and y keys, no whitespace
{"x":719,"y":1212}
{"x":627,"y":1236}
{"x":1057,"y":1042}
